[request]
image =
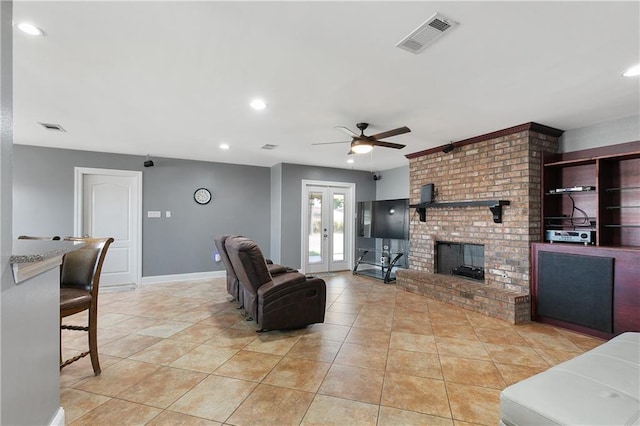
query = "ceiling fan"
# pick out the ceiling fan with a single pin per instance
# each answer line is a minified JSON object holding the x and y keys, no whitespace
{"x":361,"y":144}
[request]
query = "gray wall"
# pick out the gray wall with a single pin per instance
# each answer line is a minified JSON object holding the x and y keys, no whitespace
{"x":291,"y":201}
{"x":184,"y":242}
{"x":43,"y":203}
{"x":6,"y":142}
{"x":393,"y":183}
{"x":276,"y":213}
{"x":30,"y":356}
{"x":6,"y":158}
{"x":601,"y":134}
{"x":29,"y":311}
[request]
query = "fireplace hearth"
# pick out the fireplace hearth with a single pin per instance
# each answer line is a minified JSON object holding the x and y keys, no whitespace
{"x":461,"y":259}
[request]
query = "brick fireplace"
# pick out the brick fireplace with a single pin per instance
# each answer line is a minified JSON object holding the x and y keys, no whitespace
{"x":462,"y":259}
{"x":503,"y":165}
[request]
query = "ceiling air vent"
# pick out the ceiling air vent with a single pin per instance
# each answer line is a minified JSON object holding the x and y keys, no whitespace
{"x":269,"y":146}
{"x":427,"y":33}
{"x":54,"y":127}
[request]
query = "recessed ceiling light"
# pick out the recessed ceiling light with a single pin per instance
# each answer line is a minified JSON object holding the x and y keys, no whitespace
{"x":633,"y":71}
{"x":30,"y":29}
{"x":258,"y":104}
{"x":351,"y":161}
{"x":224,"y":146}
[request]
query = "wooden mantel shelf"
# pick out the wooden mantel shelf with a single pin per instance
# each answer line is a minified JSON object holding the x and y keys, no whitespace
{"x":494,"y":205}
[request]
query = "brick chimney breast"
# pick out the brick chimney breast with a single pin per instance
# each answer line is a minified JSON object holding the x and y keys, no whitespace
{"x":503,"y":165}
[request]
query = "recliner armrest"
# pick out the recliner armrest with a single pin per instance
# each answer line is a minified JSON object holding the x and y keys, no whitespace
{"x":281,"y":283}
{"x":273,"y":293}
{"x":276,"y":269}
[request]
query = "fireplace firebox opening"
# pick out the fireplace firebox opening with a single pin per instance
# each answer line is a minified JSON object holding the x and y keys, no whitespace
{"x":462,"y":259}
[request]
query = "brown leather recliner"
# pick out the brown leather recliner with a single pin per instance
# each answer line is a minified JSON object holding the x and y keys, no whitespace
{"x":284,"y":301}
{"x":233,"y":284}
{"x":232,"y":278}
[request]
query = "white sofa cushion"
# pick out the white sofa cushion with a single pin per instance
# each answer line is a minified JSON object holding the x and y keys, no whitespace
{"x":599,"y":387}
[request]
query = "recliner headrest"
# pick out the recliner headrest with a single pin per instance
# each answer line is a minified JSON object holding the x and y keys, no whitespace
{"x":220,"y":242}
{"x":248,"y":261}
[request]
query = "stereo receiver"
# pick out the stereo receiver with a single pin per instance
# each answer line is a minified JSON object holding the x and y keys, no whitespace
{"x":585,"y":237}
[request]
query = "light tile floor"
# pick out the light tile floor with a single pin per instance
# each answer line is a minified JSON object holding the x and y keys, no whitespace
{"x":181,"y":354}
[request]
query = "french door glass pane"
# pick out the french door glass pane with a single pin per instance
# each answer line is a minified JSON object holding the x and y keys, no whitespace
{"x":338,"y":227}
{"x":315,"y":227}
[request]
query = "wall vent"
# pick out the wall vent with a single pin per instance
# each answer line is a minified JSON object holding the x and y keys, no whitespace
{"x":54,"y":127}
{"x":269,"y":146}
{"x":427,"y":33}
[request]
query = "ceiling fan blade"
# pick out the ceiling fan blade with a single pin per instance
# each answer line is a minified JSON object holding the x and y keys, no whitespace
{"x":329,"y":143}
{"x":389,"y":133}
{"x":347,"y":131}
{"x":388,"y":144}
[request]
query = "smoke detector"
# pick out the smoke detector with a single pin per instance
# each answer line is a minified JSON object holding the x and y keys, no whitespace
{"x":427,"y":33}
{"x":268,"y":146}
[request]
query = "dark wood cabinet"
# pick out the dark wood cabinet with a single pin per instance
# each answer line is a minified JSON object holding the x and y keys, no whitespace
{"x":594,"y":194}
{"x":563,"y":208}
{"x":619,"y":207}
{"x":626,"y":284}
{"x":599,"y":192}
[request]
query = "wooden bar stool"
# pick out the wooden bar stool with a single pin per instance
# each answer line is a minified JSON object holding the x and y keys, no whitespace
{"x":79,"y":282}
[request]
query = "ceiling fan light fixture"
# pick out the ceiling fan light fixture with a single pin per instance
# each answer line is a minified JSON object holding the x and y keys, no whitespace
{"x":362,"y":148}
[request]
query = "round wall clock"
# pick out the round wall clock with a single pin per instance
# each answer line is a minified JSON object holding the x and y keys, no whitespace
{"x":202,"y":196}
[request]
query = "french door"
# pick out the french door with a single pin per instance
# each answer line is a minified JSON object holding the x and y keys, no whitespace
{"x":327,"y":226}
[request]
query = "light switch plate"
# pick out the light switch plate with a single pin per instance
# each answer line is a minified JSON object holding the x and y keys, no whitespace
{"x":154,"y":214}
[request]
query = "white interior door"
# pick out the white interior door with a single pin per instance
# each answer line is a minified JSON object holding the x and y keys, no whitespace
{"x":110,"y":207}
{"x":327,"y":227}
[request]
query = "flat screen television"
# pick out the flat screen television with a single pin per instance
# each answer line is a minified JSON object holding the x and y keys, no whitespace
{"x":384,"y":219}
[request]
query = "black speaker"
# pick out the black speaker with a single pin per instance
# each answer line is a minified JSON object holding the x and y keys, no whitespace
{"x":426,"y":194}
{"x":577,"y":289}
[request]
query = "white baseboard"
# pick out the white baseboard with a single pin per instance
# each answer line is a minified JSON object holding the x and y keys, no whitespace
{"x":158,"y":279}
{"x":58,"y":419}
{"x":117,"y":287}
